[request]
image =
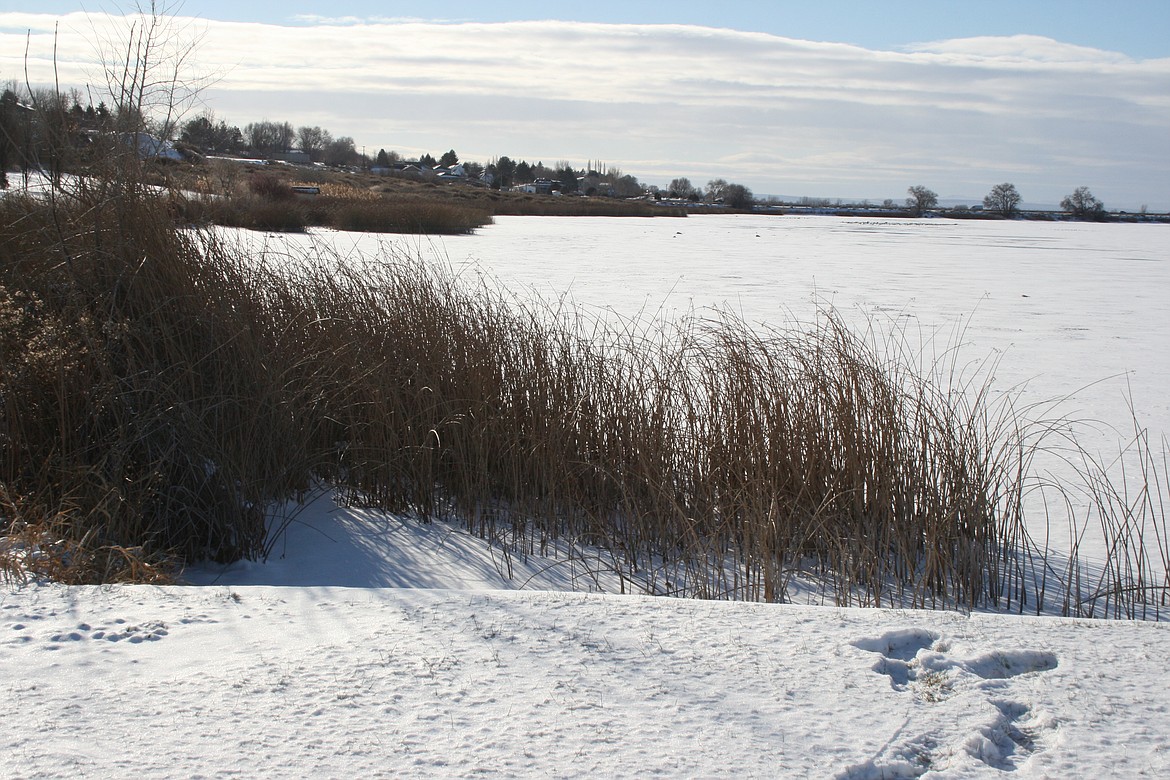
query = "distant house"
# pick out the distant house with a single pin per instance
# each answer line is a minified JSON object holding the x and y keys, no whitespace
{"x":452,"y":171}
{"x":590,"y":183}
{"x":413,"y":169}
{"x":538,"y":187}
{"x":11,"y":101}
{"x":150,"y":148}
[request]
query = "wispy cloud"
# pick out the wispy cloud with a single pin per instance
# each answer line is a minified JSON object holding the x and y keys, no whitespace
{"x":1018,"y":50}
{"x":315,"y":19}
{"x":783,"y":115}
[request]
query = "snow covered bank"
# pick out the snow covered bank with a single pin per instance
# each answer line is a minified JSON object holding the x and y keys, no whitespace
{"x":395,"y":649}
{"x":325,"y":681}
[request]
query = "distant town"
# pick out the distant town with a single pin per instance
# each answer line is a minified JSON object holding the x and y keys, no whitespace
{"x":39,"y":128}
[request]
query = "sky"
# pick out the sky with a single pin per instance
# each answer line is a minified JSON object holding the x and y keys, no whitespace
{"x":841,"y":100}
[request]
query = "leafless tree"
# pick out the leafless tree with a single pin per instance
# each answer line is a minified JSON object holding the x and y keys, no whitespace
{"x":627,"y":186}
{"x":738,"y":196}
{"x":149,"y":69}
{"x":716,"y":188}
{"x":681,"y":188}
{"x":267,"y":137}
{"x":313,"y":141}
{"x":921,"y":200}
{"x":342,"y":151}
{"x":1003,"y":198}
{"x":1082,"y":205}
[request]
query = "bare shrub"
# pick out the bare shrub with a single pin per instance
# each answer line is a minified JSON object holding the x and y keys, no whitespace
{"x":270,"y":187}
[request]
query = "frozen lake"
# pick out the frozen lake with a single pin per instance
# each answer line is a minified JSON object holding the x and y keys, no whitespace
{"x":1070,"y":308}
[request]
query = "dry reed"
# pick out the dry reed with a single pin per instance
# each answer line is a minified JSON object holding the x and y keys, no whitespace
{"x":161,"y":390}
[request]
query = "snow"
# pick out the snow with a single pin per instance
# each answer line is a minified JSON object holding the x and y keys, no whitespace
{"x":372,"y":645}
{"x":349,"y":656}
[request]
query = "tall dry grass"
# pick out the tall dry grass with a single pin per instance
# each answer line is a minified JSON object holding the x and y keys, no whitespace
{"x":162,"y":390}
{"x":710,"y":458}
{"x":138,"y":406}
{"x":269,"y":203}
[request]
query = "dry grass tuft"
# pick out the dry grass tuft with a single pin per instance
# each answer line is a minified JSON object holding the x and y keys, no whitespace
{"x":343,"y":192}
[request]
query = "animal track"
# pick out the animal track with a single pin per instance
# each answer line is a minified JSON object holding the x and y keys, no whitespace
{"x":1009,"y":741}
{"x":118,"y":631}
{"x":898,"y":650}
{"x":917,"y":660}
{"x":151,"y":631}
{"x":26,"y":628}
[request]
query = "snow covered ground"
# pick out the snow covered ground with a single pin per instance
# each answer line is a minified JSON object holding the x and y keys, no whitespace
{"x":371,"y":645}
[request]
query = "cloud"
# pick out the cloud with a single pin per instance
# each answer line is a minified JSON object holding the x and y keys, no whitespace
{"x":315,"y":19}
{"x":1020,"y":50}
{"x":783,"y":114}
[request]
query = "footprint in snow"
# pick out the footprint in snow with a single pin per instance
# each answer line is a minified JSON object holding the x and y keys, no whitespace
{"x":916,"y":659}
{"x":1012,"y":737}
{"x":898,"y":649}
{"x":120,"y":630}
{"x":903,"y":661}
{"x":1003,"y":665}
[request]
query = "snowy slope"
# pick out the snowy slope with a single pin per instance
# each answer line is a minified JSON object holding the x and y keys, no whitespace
{"x":418,"y":658}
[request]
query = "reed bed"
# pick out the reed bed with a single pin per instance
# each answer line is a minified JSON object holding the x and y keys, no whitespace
{"x":576,"y":206}
{"x":269,"y":203}
{"x":134,"y":385}
{"x":163,"y":391}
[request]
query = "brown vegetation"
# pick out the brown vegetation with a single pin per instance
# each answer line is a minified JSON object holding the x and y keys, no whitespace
{"x":163,"y":393}
{"x":263,"y":198}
